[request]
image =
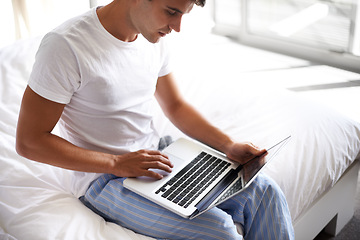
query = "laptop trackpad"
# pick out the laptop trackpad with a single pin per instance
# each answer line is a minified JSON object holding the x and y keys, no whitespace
{"x":178,"y":165}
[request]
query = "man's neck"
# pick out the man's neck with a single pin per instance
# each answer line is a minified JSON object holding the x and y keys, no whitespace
{"x":113,"y":17}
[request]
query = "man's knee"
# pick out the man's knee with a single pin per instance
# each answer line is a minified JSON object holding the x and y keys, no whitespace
{"x":266,"y":185}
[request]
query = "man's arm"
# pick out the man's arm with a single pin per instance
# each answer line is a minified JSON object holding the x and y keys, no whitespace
{"x":191,"y":122}
{"x":34,"y":140}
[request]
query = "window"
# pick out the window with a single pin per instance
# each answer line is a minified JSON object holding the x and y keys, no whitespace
{"x":325,"y":31}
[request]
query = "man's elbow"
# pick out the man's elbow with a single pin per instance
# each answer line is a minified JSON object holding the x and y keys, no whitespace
{"x":24,"y":146}
{"x":21,"y":148}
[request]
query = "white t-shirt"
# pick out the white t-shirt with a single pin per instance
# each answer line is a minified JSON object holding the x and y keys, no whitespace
{"x":107,"y":85}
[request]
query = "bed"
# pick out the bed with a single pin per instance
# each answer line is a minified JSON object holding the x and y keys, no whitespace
{"x":317,"y":170}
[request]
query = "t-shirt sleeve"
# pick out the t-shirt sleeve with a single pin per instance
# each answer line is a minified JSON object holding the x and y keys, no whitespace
{"x":166,"y":59}
{"x":55,"y":74}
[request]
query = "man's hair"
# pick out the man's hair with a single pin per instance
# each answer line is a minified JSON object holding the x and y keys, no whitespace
{"x":200,"y":3}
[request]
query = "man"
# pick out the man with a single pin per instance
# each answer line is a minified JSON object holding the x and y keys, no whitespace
{"x":97,"y":75}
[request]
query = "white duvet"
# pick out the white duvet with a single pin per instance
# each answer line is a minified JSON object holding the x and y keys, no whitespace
{"x":38,"y":201}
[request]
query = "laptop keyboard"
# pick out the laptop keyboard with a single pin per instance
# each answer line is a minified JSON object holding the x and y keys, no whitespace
{"x":193,"y":179}
{"x":237,"y":186}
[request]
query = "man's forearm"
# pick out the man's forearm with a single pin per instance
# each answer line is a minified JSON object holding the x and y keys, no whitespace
{"x":187,"y":119}
{"x":56,"y":151}
{"x":193,"y":124}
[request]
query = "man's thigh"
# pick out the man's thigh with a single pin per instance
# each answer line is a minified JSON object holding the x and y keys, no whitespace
{"x":126,"y":208}
{"x":262,"y":210}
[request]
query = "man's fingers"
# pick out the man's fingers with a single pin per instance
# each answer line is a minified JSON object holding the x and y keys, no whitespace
{"x":157,"y":165}
{"x":156,"y":152}
{"x":156,"y":156}
{"x":143,"y":163}
{"x":155,"y":160}
{"x":150,"y":167}
{"x":262,"y":151}
{"x":256,"y":150}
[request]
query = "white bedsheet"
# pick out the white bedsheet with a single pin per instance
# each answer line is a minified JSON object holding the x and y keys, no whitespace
{"x":37,"y":201}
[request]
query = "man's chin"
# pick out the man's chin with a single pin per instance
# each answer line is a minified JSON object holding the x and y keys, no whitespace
{"x":154,"y":39}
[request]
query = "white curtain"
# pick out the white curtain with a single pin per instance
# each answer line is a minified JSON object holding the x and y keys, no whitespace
{"x":21,"y":18}
{"x":27,"y":14}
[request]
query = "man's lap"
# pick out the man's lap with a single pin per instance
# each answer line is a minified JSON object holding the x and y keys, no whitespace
{"x":107,"y":197}
{"x":126,"y":208}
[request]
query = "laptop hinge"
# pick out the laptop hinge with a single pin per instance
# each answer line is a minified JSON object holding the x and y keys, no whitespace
{"x":217,"y":190}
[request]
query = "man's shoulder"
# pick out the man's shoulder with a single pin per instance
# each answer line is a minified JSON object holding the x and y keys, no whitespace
{"x":75,"y":34}
{"x":76,"y":24}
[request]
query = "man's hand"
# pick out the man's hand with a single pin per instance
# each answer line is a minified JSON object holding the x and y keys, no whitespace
{"x":140,"y":163}
{"x":243,"y":152}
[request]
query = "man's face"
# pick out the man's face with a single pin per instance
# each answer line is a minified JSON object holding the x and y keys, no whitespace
{"x":156,"y":18}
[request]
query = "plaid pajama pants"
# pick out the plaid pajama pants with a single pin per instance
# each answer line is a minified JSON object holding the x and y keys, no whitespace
{"x":261,"y":210}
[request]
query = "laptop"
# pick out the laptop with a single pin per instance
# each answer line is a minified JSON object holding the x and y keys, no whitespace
{"x":201,"y":177}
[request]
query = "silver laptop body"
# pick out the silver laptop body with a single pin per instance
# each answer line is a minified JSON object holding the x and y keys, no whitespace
{"x":210,"y":178}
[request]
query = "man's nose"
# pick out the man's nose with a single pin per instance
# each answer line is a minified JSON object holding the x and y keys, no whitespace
{"x":176,"y":24}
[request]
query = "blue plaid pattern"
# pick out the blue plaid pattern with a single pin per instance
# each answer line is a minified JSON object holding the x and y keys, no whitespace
{"x":261,"y":209}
